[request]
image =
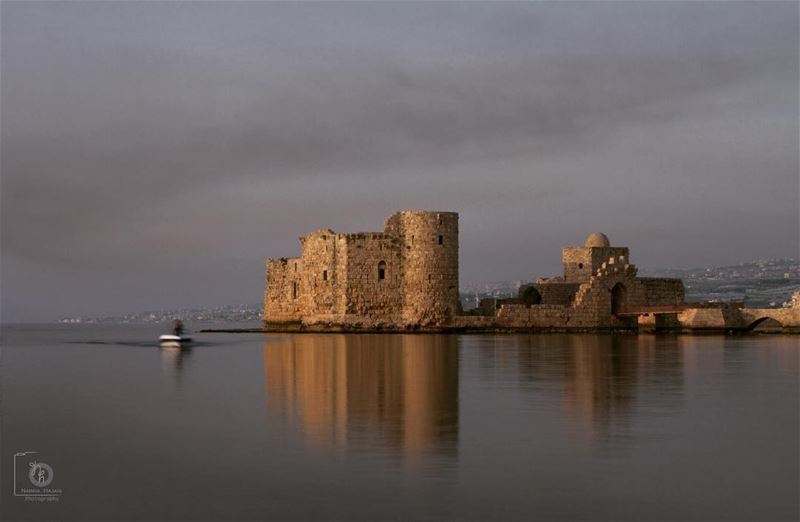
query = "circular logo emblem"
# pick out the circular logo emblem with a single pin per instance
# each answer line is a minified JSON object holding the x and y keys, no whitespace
{"x":40,"y":474}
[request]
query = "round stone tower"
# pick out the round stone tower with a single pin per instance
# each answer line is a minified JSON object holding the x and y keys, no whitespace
{"x":429,"y":258}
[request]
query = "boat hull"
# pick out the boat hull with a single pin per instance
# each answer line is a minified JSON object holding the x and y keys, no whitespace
{"x":174,"y":341}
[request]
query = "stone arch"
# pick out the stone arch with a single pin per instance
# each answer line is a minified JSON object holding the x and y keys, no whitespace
{"x":382,"y":270}
{"x":766,"y":323}
{"x":531,"y":296}
{"x":619,"y":298}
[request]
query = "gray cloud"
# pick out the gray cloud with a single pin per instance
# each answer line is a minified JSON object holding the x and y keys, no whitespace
{"x":147,"y":145}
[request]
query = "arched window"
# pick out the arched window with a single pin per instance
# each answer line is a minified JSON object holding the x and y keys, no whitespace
{"x":381,"y":270}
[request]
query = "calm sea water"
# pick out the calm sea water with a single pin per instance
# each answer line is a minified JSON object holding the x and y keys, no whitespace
{"x":400,"y":427}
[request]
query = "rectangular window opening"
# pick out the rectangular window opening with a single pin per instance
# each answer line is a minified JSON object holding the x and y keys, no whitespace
{"x":441,"y":239}
{"x":324,"y":275}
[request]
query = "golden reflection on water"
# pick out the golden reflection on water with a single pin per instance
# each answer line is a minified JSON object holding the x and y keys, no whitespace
{"x":602,"y":378}
{"x":402,"y":391}
{"x":599,"y":383}
{"x":394,"y":390}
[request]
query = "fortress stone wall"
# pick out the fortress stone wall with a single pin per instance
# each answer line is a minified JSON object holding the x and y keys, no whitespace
{"x":405,"y":276}
{"x":599,"y":284}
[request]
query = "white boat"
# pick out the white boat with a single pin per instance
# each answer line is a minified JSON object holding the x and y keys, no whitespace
{"x":174,"y":341}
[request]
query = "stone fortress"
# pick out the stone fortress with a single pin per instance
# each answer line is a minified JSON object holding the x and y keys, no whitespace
{"x":406,"y":279}
{"x":403,"y":277}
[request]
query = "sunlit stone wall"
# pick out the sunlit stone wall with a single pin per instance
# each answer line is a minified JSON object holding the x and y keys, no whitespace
{"x":405,"y":276}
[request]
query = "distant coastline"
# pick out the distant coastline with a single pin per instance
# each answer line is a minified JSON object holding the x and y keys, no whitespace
{"x":759,"y":283}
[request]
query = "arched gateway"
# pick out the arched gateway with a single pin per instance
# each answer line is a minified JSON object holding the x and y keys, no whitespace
{"x":619,"y":298}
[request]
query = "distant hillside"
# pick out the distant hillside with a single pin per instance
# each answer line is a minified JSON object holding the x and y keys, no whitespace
{"x":759,"y":284}
{"x":240,"y":313}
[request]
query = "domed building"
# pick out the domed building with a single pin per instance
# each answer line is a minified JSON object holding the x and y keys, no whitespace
{"x":599,"y":289}
{"x":597,"y":239}
{"x":582,"y":262}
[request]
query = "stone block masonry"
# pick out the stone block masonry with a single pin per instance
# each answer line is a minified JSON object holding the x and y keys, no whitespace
{"x":405,"y":278}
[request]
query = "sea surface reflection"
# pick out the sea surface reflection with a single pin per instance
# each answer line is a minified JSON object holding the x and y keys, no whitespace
{"x":399,"y":392}
{"x":173,"y":361}
{"x":417,"y":427}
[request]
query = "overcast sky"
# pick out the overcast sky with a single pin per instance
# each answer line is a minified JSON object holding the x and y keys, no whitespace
{"x":154,"y":154}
